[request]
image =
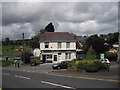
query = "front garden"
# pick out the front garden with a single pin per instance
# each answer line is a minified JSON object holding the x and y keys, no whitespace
{"x":6,"y":63}
{"x":88,"y":66}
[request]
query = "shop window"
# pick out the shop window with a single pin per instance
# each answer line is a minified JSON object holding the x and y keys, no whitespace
{"x":68,"y":56}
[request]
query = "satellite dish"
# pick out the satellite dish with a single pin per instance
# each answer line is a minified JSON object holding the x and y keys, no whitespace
{"x":36,"y":52}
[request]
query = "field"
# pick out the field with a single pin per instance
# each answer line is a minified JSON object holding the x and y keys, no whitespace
{"x":14,"y":50}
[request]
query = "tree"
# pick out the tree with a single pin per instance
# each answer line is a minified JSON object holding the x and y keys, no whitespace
{"x":97,"y":44}
{"x":112,"y":38}
{"x":91,"y":54}
{"x":34,"y":43}
{"x":49,"y":28}
{"x":7,"y":40}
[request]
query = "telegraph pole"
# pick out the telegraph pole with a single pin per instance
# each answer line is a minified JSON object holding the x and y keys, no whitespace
{"x":23,"y":48}
{"x":23,"y":41}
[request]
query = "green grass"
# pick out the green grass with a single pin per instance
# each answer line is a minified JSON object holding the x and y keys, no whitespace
{"x":9,"y":50}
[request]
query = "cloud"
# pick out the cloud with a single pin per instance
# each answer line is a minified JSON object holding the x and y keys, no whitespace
{"x":81,"y":18}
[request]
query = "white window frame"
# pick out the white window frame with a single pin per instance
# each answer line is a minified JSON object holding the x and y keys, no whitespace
{"x":67,"y":55}
{"x":59,"y":44}
{"x":67,"y":44}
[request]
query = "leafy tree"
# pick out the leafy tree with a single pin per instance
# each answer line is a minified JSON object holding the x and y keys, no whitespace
{"x":112,"y":38}
{"x":49,"y":28}
{"x":97,"y":44}
{"x":34,"y":43}
{"x":7,"y":41}
{"x":91,"y":54}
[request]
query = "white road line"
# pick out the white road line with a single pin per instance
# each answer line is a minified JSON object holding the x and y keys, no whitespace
{"x":57,"y":85}
{"x":22,"y":77}
{"x":6,"y":73}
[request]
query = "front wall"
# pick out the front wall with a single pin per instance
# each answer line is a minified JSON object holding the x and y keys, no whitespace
{"x":53,"y":46}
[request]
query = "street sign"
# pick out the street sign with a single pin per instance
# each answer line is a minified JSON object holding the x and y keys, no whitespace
{"x":102,"y":55}
{"x":36,"y":52}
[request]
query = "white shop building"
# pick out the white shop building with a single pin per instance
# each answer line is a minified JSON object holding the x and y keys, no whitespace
{"x":57,"y":46}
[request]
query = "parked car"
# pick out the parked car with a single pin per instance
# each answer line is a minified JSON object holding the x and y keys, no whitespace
{"x":61,"y":65}
{"x":105,"y":60}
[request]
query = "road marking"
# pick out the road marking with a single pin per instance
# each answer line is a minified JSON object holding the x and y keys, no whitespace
{"x":23,"y":70}
{"x":101,"y":79}
{"x":22,"y":77}
{"x":28,"y":71}
{"x":6,"y":73}
{"x":57,"y":85}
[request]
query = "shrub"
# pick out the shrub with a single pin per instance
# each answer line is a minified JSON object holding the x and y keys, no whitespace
{"x":91,"y":68}
{"x":6,"y":63}
{"x":71,"y":64}
{"x":112,"y":56}
{"x":81,"y":65}
{"x":91,"y":54}
{"x":95,"y":65}
{"x":89,"y":65}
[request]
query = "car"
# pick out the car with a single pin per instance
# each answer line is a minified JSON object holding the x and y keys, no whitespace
{"x":105,"y":60}
{"x":61,"y":65}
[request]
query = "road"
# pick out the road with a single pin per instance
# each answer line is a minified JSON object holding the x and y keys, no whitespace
{"x":18,"y":79}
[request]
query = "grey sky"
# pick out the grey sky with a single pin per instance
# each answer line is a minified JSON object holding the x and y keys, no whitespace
{"x":81,"y":18}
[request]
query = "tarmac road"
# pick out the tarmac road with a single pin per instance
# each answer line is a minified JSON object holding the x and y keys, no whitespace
{"x":18,"y":79}
{"x":44,"y":76}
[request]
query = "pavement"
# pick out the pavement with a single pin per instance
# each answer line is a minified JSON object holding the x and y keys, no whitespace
{"x":112,"y":74}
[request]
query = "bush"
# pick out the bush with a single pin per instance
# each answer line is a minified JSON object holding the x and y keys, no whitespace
{"x":91,"y":68}
{"x":89,"y":65}
{"x":81,"y":65}
{"x":71,"y":64}
{"x":6,"y":63}
{"x":112,"y":56}
{"x":91,"y":54}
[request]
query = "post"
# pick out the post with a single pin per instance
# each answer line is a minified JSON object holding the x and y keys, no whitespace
{"x":23,"y":48}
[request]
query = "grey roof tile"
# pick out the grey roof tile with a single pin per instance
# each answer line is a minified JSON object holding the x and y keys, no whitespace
{"x":57,"y":36}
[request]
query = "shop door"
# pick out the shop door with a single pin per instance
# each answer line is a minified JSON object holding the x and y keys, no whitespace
{"x":55,"y":57}
{"x":44,"y":58}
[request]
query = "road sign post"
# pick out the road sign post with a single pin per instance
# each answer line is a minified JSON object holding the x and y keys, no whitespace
{"x":102,"y":55}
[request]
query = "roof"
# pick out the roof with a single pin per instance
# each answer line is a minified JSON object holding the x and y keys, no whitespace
{"x":81,"y":39}
{"x":57,"y":36}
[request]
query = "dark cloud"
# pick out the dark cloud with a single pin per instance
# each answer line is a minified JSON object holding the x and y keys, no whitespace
{"x":81,"y":18}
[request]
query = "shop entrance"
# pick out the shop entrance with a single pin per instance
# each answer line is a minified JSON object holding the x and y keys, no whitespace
{"x":47,"y":58}
{"x":44,"y":58}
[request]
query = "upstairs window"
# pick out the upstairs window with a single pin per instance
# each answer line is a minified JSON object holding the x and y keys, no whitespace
{"x":46,"y":44}
{"x":68,"y":45}
{"x":59,"y":44}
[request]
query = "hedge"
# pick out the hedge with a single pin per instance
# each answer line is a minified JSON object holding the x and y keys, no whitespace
{"x":6,"y":63}
{"x":89,"y":65}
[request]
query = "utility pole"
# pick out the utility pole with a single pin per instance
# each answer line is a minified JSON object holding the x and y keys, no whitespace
{"x":23,"y":48}
{"x":23,"y":41}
